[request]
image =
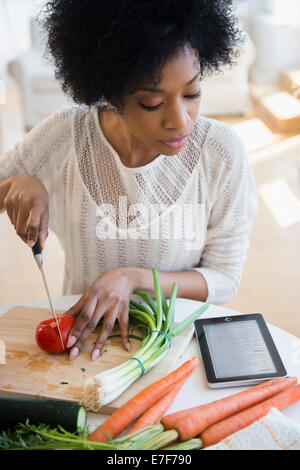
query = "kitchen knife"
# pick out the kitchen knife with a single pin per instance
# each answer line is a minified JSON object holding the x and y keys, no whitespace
{"x":37,"y":252}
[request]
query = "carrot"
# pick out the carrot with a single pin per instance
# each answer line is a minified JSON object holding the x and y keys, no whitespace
{"x":137,"y":405}
{"x":169,"y":421}
{"x":228,"y":426}
{"x":199,"y":418}
{"x":154,"y":414}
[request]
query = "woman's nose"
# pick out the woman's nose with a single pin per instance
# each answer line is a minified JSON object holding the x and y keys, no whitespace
{"x":176,"y":118}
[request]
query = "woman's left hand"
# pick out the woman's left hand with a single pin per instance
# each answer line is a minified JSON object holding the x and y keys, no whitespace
{"x":107,"y":297}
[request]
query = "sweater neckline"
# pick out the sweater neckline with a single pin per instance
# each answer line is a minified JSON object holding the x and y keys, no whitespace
{"x":117,"y":156}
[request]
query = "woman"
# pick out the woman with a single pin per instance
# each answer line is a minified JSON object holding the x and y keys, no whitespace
{"x":132,"y":177}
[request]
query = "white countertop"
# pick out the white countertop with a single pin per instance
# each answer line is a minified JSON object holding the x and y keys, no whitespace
{"x":195,"y":388}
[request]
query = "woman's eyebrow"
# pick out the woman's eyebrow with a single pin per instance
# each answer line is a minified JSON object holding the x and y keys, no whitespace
{"x":159,"y":90}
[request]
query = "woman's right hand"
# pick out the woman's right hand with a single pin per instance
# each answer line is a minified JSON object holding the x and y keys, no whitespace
{"x":27,"y":205}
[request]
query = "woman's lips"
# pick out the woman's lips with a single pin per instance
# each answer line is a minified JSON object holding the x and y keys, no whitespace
{"x":175,"y":143}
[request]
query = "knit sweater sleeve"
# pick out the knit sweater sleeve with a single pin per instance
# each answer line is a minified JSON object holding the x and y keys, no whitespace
{"x":233,"y":206}
{"x":42,"y":151}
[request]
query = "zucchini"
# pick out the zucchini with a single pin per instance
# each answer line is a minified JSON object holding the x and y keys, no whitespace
{"x":71,"y":416}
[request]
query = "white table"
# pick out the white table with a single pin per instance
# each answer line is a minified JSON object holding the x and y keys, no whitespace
{"x":195,"y":390}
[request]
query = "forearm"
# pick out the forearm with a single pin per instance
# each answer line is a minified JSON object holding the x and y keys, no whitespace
{"x":191,"y":284}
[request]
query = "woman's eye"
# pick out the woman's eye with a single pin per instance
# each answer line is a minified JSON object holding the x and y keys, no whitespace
{"x":154,"y":108}
{"x":193,"y":97}
{"x":150,"y":108}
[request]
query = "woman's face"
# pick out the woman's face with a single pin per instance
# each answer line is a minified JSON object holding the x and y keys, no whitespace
{"x":160,"y":119}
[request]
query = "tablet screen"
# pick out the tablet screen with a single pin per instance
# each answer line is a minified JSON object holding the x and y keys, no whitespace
{"x":238,"y":349}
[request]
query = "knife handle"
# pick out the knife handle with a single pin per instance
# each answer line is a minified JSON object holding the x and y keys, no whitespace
{"x":37,"y":248}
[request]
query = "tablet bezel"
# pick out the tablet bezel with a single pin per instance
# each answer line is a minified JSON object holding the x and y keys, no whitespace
{"x":212,"y":380}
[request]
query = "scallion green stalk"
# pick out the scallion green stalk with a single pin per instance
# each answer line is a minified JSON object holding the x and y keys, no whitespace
{"x":159,"y":441}
{"x":186,"y":445}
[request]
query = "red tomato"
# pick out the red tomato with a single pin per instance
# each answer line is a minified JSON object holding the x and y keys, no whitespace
{"x":47,"y":335}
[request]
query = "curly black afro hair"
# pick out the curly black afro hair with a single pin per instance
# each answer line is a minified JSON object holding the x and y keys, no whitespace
{"x":104,"y":49}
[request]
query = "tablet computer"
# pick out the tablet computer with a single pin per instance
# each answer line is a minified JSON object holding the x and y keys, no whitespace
{"x":237,"y":350}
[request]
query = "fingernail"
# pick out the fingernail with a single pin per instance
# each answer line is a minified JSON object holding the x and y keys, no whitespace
{"x":30,"y":243}
{"x":95,"y":354}
{"x":71,"y":341}
{"x":74,"y":353}
{"x":128,"y":347}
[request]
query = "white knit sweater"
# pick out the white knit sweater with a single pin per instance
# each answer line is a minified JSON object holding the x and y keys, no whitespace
{"x":108,"y":215}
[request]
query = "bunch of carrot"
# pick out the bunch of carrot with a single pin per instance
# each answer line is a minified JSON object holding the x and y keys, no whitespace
{"x":197,"y":427}
{"x":217,"y":420}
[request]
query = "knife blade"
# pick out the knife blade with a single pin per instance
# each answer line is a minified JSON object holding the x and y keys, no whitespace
{"x":37,"y":252}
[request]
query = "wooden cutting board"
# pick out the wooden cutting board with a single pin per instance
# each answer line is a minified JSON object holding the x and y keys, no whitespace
{"x":31,"y":372}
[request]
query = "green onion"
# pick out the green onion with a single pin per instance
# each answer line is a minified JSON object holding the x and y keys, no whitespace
{"x":147,"y":299}
{"x":164,"y":303}
{"x":159,"y":441}
{"x":158,"y":320}
{"x":186,"y":445}
{"x":141,"y":307}
{"x":190,"y":319}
